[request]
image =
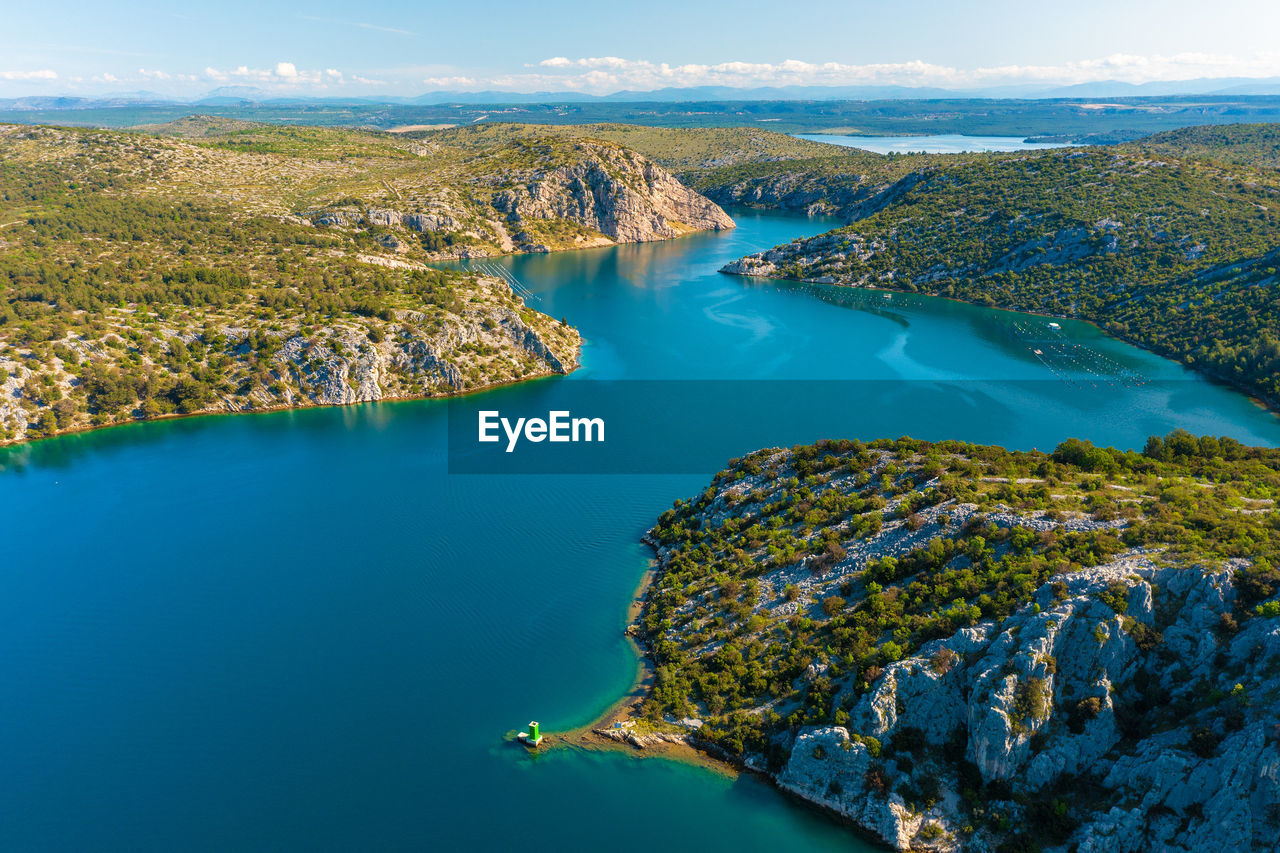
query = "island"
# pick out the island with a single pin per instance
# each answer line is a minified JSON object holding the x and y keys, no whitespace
{"x":954,"y":645}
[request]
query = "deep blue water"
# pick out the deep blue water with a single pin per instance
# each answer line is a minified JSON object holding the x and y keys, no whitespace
{"x":944,"y":143}
{"x":297,"y":631}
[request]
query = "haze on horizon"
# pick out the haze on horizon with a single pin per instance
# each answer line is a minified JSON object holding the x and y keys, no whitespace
{"x":402,"y":48}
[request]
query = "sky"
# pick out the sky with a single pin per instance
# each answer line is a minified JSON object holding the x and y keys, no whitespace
{"x":412,"y":47}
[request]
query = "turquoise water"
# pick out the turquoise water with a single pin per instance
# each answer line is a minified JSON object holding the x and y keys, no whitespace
{"x":294,"y":630}
{"x":946,"y":143}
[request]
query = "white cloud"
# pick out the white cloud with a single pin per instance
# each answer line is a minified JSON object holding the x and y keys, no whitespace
{"x":450,"y":82}
{"x":603,"y":74}
{"x":42,"y":74}
{"x":587,"y":62}
{"x":284,"y":74}
{"x":165,"y":76}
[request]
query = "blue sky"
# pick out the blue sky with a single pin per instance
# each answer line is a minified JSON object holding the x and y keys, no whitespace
{"x":407,"y":48}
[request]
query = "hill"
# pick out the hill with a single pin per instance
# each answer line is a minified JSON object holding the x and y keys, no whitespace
{"x":250,"y":267}
{"x":1255,"y":145}
{"x":1174,"y":254}
{"x":956,"y":645}
{"x":681,"y":150}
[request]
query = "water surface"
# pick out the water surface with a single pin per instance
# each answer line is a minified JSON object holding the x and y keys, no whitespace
{"x":948,"y":143}
{"x":296,"y":631}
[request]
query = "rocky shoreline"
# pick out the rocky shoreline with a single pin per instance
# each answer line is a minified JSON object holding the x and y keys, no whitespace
{"x":409,"y":354}
{"x":1125,"y":705}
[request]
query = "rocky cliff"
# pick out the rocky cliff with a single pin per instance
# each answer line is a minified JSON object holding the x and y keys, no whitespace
{"x":557,"y":194}
{"x":617,"y":193}
{"x":811,"y":186}
{"x":491,"y":338}
{"x":1040,"y":704}
{"x":958,"y":647}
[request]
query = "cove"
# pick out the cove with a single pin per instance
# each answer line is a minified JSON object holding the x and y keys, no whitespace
{"x":295,"y":630}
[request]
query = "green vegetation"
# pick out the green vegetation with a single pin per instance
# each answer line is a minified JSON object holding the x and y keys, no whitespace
{"x":681,"y":150}
{"x":1178,"y":256}
{"x":738,"y":643}
{"x":142,"y":277}
{"x":1254,"y":145}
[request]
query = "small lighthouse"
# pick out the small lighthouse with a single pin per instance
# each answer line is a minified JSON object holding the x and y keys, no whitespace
{"x":533,"y":737}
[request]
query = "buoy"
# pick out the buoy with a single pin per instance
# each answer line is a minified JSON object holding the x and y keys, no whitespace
{"x":533,"y":737}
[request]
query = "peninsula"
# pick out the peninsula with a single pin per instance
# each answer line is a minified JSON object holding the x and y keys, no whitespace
{"x":957,"y":645}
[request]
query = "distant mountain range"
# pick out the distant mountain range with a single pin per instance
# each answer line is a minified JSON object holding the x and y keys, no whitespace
{"x":237,"y":95}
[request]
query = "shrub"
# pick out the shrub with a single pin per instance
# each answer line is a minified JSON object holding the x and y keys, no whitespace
{"x":1116,"y":596}
{"x":1203,"y":742}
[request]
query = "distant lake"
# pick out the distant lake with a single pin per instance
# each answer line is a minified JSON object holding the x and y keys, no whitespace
{"x":950,"y":143}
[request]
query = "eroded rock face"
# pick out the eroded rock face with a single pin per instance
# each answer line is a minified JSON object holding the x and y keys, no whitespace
{"x":851,"y":197}
{"x":605,"y":194}
{"x":827,"y":768}
{"x":490,"y":339}
{"x":623,"y":196}
{"x":1045,"y":698}
{"x":340,"y":365}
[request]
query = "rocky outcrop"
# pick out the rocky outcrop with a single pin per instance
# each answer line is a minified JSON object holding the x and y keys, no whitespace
{"x":489,"y":340}
{"x":790,"y":258}
{"x":1045,"y":699}
{"x":642,"y":740}
{"x":617,"y":193}
{"x":849,"y":196}
{"x":596,"y":193}
{"x":339,"y":365}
